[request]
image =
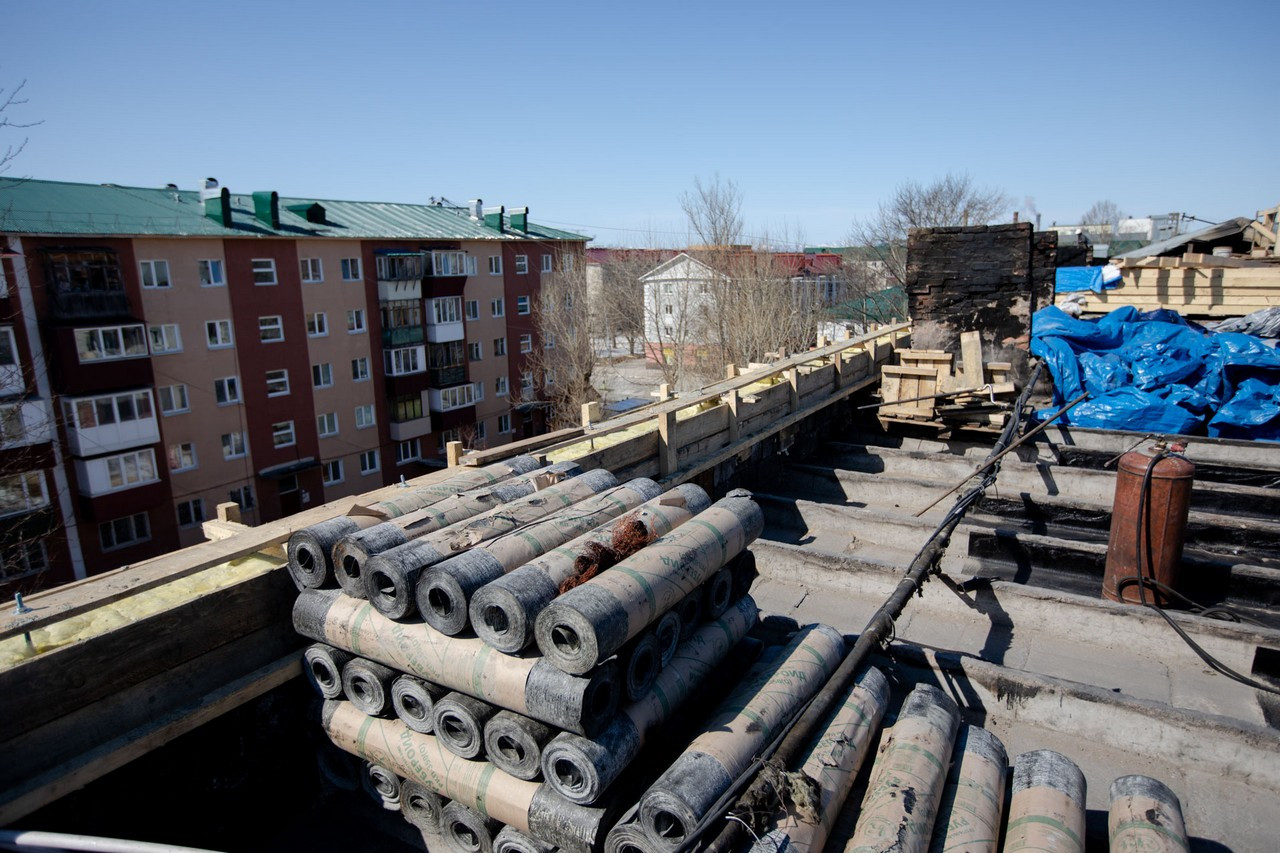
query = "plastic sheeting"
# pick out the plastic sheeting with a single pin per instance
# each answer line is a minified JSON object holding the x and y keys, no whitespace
{"x":1157,"y":372}
{"x":1096,"y":279}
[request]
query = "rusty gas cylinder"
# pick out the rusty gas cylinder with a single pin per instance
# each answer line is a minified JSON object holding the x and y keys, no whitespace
{"x":1163,"y":525}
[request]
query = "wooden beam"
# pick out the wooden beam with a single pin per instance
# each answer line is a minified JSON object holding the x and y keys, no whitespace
{"x":667,"y":450}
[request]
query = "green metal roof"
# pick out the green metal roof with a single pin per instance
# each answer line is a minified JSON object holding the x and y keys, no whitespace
{"x":57,"y":207}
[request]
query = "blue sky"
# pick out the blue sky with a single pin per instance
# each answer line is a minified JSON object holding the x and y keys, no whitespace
{"x":599,"y":115}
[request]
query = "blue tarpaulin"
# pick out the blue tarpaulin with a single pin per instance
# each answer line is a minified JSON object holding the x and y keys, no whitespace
{"x":1096,"y":279}
{"x":1156,"y":372}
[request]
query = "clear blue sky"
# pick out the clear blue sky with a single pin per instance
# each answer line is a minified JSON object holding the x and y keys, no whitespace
{"x":599,"y":115}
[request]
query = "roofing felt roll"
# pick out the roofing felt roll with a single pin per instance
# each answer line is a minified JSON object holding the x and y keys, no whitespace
{"x":832,"y":763}
{"x":667,"y":632}
{"x":639,"y":663}
{"x":322,"y":665}
{"x":391,"y":576}
{"x":582,"y":769}
{"x":741,"y":726}
{"x":901,"y":803}
{"x":458,"y":720}
{"x":468,"y":829}
{"x":514,"y":743}
{"x":353,"y":550}
{"x":368,"y":685}
{"x":527,"y":806}
{"x":421,"y":806}
{"x":383,"y":785}
{"x":527,"y":685}
{"x":512,"y":840}
{"x":310,"y":549}
{"x":717,"y":593}
{"x":592,"y":621}
{"x":503,"y":612}
{"x":1046,"y":811}
{"x":1145,"y":816}
{"x":444,"y":591}
{"x":973,"y":799}
{"x":413,"y":700}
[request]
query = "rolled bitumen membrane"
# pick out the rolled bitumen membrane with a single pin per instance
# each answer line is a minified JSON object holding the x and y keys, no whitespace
{"x":582,"y":769}
{"x":1046,"y":811}
{"x":368,"y":685}
{"x":444,"y":590}
{"x":323,"y":664}
{"x":383,"y":785}
{"x":690,"y":610}
{"x":468,"y":829}
{"x":514,"y":743}
{"x":413,"y":700}
{"x":528,"y":685}
{"x":744,"y":722}
{"x":591,"y":622}
{"x":459,"y":721}
{"x":629,"y":838}
{"x":511,"y":840}
{"x":504,"y":611}
{"x":310,"y":550}
{"x":639,"y":662}
{"x":973,"y":800}
{"x":421,"y":806}
{"x":716,"y":594}
{"x":667,"y":632}
{"x":1145,"y":815}
{"x":901,"y":803}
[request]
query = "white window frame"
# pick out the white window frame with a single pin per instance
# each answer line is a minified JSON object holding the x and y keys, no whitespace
{"x":355,"y":322}
{"x":120,"y":462}
{"x":500,"y":345}
{"x":497,"y":307}
{"x":408,"y":451}
{"x":522,"y":264}
{"x":210,"y":273}
{"x":243,"y":496}
{"x":495,"y":265}
{"x":283,"y":434}
{"x":140,"y":409}
{"x":448,"y":263}
{"x":180,"y":451}
{"x":170,"y":338}
{"x":351,"y":270}
{"x":327,"y":424}
{"x":549,"y":341}
{"x":224,"y":386}
{"x":214,"y":336}
{"x":526,"y":342}
{"x":546,"y":263}
{"x":404,"y":361}
{"x":263,"y":271}
{"x":23,"y":558}
{"x":233,"y":445}
{"x":526,"y":383}
{"x":278,"y":383}
{"x":102,"y":334}
{"x":322,"y":375}
{"x":566,"y":262}
{"x":195,"y":513}
{"x":446,"y":309}
{"x":318,"y":324}
{"x":331,"y":473}
{"x":522,"y":306}
{"x":311,"y":270}
{"x":366,"y":416}
{"x":271,"y":329}
{"x":360,"y":369}
{"x":136,"y":537}
{"x":482,"y":431}
{"x":472,"y":310}
{"x":155,"y":271}
{"x":504,"y":424}
{"x":369,"y":462}
{"x":30,"y":486}
{"x":501,"y":386}
{"x":475,"y":351}
{"x":457,"y":397}
{"x":173,"y":393}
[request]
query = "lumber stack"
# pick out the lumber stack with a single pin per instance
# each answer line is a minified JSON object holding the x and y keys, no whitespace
{"x":1195,"y":285}
{"x":924,"y":385}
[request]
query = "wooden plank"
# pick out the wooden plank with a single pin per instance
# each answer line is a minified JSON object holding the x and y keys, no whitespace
{"x":623,"y":454}
{"x":667,"y":461}
{"x":701,"y":426}
{"x":524,"y":445}
{"x":971,"y":358}
{"x":63,"y":779}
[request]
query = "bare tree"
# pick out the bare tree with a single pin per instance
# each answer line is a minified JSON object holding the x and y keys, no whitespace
{"x":10,"y":98}
{"x":564,"y":355}
{"x":714,"y":211}
{"x":949,"y":201}
{"x":1105,"y":212}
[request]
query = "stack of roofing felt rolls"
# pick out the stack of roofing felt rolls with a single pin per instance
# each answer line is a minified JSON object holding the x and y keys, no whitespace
{"x":423,"y":658}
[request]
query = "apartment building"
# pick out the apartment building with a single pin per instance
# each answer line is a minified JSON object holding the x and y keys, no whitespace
{"x":163,"y":351}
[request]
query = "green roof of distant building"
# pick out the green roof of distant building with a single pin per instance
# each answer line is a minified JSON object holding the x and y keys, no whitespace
{"x":57,"y":207}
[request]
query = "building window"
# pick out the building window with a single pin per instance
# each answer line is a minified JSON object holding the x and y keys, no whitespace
{"x":400,"y":267}
{"x":408,"y":451}
{"x":121,"y":532}
{"x":90,"y":412}
{"x":351,"y":269}
{"x":549,"y":342}
{"x":495,"y":265}
{"x":500,"y":387}
{"x":473,"y":309}
{"x":364,"y":416}
{"x":406,"y":408}
{"x":526,"y":343}
{"x":369,"y":462}
{"x":448,"y":263}
{"x":182,"y":456}
{"x":22,"y":493}
{"x":132,"y":469}
{"x":475,"y":351}
{"x":331,"y":472}
{"x":264,"y":271}
{"x":499,"y":346}
{"x":401,"y":313}
{"x":111,"y":342}
{"x":210,"y":273}
{"x":481,"y":431}
{"x":190,"y":513}
{"x":548,"y":378}
{"x":522,"y":305}
{"x":526,"y":384}
{"x":226,"y":390}
{"x":25,"y":558}
{"x":457,"y":397}
{"x":667,"y":309}
{"x":522,"y":264}
{"x":155,"y":274}
{"x":327,"y":424}
{"x":232,"y":445}
{"x":447,"y":309}
{"x":173,"y":399}
{"x":403,"y":361}
{"x":165,"y":338}
{"x":322,"y":375}
{"x":271,"y":329}
{"x":282,"y":434}
{"x":355,"y":321}
{"x":312,"y":269}
{"x":277,"y":383}
{"x":504,"y":424}
{"x":218,"y":333}
{"x":287,"y":485}
{"x":359,"y":369}
{"x":8,"y":349}
{"x":497,"y":308}
{"x":317,"y":325}
{"x":566,"y":262}
{"x":546,"y":263}
{"x":243,"y":496}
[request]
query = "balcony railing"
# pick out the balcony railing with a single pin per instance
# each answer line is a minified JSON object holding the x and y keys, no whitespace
{"x":403,"y":336}
{"x":443,"y":377}
{"x":443,"y":333}
{"x":89,"y":305}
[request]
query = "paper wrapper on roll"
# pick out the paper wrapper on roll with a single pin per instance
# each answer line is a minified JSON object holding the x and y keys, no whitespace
{"x":1145,"y":817}
{"x":973,"y":799}
{"x":1046,"y":811}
